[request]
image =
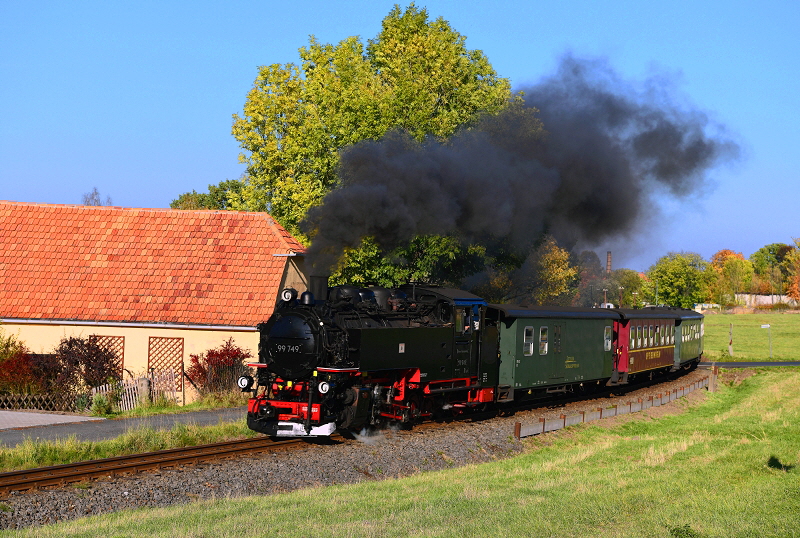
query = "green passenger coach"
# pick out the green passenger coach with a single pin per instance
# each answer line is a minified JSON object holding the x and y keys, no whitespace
{"x":551,"y":349}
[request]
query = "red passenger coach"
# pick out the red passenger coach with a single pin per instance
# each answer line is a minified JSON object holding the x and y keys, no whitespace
{"x":645,"y":339}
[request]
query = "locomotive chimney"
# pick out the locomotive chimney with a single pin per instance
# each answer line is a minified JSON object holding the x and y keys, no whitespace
{"x":608,"y":262}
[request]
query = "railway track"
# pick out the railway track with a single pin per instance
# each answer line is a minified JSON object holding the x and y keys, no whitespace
{"x":61,"y":475}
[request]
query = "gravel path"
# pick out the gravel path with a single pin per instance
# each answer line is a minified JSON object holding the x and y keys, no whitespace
{"x":386,"y":455}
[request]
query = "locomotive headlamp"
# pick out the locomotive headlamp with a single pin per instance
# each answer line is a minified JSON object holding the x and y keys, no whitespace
{"x":289,"y":294}
{"x":323,"y":387}
{"x":245,"y":382}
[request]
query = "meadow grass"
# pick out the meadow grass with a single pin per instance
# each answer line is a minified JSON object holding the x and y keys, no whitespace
{"x":750,"y":341}
{"x":32,"y":453}
{"x":728,"y":466}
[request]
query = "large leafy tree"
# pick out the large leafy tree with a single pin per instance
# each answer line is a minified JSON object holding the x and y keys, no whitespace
{"x":677,"y":278}
{"x":417,"y":75}
{"x":434,"y":259}
{"x":217,"y":197}
{"x":768,"y":256}
{"x":772,"y":267}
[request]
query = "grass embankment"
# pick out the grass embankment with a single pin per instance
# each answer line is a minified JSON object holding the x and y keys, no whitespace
{"x":750,"y":341}
{"x":727,"y":467}
{"x":33,"y":453}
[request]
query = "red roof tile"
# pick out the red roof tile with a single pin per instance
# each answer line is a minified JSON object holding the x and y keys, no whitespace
{"x":149,"y":265}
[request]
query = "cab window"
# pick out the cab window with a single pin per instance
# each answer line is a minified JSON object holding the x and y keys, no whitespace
{"x":463,"y":322}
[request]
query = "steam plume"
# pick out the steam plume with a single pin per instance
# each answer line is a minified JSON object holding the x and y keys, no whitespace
{"x":607,"y":149}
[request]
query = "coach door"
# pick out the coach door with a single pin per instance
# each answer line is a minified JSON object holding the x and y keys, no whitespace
{"x":555,"y":362}
{"x":621,"y":347}
{"x":542,"y":360}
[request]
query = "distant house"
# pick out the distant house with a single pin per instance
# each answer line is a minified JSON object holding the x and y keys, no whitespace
{"x":153,"y":285}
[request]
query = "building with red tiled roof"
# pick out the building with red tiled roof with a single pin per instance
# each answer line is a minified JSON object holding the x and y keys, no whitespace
{"x":155,"y":284}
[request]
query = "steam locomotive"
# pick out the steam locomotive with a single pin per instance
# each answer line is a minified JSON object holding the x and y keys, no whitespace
{"x":368,"y":356}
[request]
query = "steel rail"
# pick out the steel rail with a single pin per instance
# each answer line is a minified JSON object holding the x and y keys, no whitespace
{"x":61,"y":475}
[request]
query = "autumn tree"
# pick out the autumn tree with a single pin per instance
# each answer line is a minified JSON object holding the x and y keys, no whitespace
{"x":676,"y":279}
{"x":546,"y":277}
{"x":792,"y":260}
{"x":719,"y":258}
{"x":728,"y":273}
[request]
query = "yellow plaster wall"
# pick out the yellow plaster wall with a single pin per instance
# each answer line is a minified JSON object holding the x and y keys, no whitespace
{"x":44,"y":338}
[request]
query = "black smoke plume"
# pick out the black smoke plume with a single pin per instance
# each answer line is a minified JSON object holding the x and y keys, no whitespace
{"x":605,"y":152}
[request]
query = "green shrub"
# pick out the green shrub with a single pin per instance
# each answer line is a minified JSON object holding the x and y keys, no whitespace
{"x":101,"y":405}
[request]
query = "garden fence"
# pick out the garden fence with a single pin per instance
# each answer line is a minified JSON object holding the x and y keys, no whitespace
{"x":38,"y":402}
{"x":125,"y":395}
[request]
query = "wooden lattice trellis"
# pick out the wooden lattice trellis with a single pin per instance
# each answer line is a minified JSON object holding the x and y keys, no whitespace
{"x":42,"y":402}
{"x":115,"y":344}
{"x":164,"y":353}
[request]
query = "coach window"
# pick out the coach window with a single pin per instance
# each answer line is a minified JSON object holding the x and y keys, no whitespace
{"x":639,"y":337}
{"x":657,"y":336}
{"x":529,"y":342}
{"x":607,"y":338}
{"x":542,"y":340}
{"x":652,"y":339}
{"x":632,"y":338}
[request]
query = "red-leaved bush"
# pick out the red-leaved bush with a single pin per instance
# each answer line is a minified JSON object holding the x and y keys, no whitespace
{"x":217,"y":369}
{"x":18,"y":375}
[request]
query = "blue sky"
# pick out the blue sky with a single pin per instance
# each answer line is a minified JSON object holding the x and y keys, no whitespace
{"x":136,"y":98}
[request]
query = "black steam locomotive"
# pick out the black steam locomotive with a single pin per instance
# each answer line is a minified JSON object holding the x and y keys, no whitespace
{"x":372,"y":355}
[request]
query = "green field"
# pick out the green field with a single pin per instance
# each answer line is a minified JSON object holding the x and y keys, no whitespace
{"x":750,"y":341}
{"x":727,"y":466}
